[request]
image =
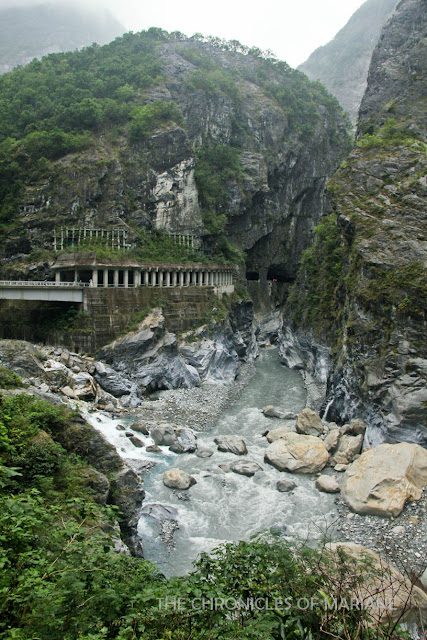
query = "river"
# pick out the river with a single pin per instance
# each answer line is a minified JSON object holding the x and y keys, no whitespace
{"x":227,"y":506}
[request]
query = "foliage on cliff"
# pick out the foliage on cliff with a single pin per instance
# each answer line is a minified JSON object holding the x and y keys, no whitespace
{"x":84,"y":136}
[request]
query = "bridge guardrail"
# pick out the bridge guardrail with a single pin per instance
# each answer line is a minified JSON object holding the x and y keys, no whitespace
{"x":41,"y":283}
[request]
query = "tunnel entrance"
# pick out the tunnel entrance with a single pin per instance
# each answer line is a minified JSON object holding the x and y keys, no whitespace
{"x":278,"y":273}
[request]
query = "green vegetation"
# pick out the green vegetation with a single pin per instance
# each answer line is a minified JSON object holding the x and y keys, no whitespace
{"x":154,"y":246}
{"x":9,"y":379}
{"x":61,"y":578}
{"x":321,"y":270}
{"x":55,"y":106}
{"x":149,"y":117}
{"x":217,"y":168}
{"x":390,"y":135}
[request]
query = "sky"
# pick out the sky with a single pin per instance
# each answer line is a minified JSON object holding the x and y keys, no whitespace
{"x":292,"y":29}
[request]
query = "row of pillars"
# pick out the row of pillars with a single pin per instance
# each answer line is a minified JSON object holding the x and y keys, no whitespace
{"x":160,"y":278}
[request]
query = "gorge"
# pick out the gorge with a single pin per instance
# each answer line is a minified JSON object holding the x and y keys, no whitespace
{"x":249,"y":362}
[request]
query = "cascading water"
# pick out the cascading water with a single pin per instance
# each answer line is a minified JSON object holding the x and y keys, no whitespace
{"x":226,"y":506}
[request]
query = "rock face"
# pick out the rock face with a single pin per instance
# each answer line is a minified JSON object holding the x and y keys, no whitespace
{"x":342,"y":65}
{"x":272,"y":201}
{"x":152,"y":359}
{"x":384,"y":478}
{"x":177,"y":479}
{"x":372,"y":316}
{"x":296,"y":453}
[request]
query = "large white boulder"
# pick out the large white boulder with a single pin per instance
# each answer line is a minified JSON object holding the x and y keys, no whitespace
{"x":297,"y":453}
{"x":384,"y":478}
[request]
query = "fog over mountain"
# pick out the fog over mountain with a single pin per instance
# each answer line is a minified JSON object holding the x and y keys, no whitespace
{"x":342,"y":64}
{"x":30,"y":31}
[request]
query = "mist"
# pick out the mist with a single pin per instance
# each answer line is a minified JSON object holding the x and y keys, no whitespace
{"x":291,"y":30}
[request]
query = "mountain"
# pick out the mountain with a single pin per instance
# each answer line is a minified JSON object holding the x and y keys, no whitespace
{"x":35,"y":31}
{"x":367,"y":303}
{"x":159,"y":131}
{"x":342,"y":64}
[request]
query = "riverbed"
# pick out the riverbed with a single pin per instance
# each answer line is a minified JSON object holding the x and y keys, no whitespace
{"x":223,"y":506}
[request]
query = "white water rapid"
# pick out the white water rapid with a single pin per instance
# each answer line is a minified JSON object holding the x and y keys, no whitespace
{"x":226,"y":506}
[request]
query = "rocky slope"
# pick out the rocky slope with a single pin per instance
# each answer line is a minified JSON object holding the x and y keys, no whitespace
{"x":33,"y":32}
{"x":342,"y":65}
{"x":242,"y":151}
{"x":362,"y":290}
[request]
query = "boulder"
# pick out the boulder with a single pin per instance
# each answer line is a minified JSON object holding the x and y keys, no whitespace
{"x":224,"y":467}
{"x":381,"y":589}
{"x":245,"y":467}
{"x":178,"y":479}
{"x":68,"y":392}
{"x":204,"y":453}
{"x":275,"y":434}
{"x":136,"y":442}
{"x":186,"y":439}
{"x":84,"y":386}
{"x":272,"y":412}
{"x":309,"y":423}
{"x":348,"y":448}
{"x":327,"y":484}
{"x":153,"y":448}
{"x":285,"y":485}
{"x":231,"y":444}
{"x":382,"y":479}
{"x":355,"y":427}
{"x":120,"y":427}
{"x":297,"y":453}
{"x":139,"y":427}
{"x":163,"y":434}
{"x":331,"y":439}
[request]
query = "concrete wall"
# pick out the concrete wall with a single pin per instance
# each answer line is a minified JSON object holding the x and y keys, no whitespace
{"x":111,"y":311}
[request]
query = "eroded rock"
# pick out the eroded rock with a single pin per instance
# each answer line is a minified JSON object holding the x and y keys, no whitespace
{"x":178,"y":479}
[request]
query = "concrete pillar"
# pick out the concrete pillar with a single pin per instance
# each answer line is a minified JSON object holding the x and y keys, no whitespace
{"x":146,"y":278}
{"x":126,"y":278}
{"x":181,"y":278}
{"x":116,"y":277}
{"x":105,"y":277}
{"x":168,"y":278}
{"x":161,"y":278}
{"x":95,"y":277}
{"x":174,"y":278}
{"x":58,"y":277}
{"x":75,"y":275}
{"x":187,"y":278}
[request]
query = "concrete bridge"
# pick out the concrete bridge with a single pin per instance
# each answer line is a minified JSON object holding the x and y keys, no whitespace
{"x":42,"y":291}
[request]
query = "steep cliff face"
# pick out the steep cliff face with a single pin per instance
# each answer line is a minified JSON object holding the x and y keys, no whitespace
{"x":342,"y":65}
{"x":242,"y":151}
{"x":33,"y":32}
{"x":362,"y":289}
